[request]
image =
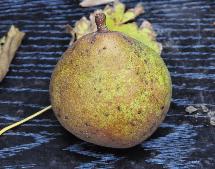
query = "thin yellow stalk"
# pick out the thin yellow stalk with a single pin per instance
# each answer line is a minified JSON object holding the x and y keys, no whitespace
{"x":24,"y":120}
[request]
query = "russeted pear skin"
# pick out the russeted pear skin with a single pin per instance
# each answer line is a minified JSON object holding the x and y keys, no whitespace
{"x":110,"y":89}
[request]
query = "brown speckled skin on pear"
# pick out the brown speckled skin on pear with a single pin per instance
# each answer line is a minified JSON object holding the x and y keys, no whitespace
{"x":110,"y":90}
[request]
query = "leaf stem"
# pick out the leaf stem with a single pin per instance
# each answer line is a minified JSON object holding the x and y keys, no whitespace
{"x":24,"y":120}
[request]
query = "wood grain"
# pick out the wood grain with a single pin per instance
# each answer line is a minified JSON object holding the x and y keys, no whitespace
{"x":186,"y":30}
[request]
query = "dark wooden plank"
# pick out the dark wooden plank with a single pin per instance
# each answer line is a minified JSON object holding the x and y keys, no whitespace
{"x":183,"y":141}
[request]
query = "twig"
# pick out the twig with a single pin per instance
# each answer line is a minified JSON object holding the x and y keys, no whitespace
{"x":8,"y":48}
{"x":24,"y":120}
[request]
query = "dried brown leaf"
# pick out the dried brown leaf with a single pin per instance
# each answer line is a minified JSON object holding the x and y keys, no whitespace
{"x":8,"y":47}
{"x":89,"y":3}
{"x":118,"y":19}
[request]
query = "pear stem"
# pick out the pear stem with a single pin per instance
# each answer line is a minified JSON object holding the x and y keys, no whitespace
{"x":100,"y":20}
{"x":24,"y":120}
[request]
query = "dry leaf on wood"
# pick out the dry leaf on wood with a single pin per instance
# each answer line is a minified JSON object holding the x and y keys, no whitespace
{"x":8,"y":47}
{"x":89,"y":3}
{"x":118,"y":19}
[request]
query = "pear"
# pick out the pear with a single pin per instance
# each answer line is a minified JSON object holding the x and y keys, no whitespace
{"x":110,"y":89}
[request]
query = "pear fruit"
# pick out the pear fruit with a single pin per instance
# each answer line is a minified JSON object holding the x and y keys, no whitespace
{"x":110,"y":89}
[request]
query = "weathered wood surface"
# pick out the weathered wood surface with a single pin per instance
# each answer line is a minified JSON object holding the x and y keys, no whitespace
{"x":183,"y":141}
